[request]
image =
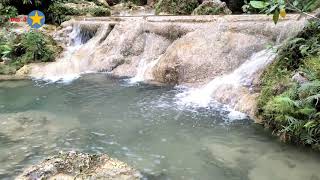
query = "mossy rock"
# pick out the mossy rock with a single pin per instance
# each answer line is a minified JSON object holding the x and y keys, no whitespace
{"x":76,"y":166}
{"x":176,"y":7}
{"x":212,"y":7}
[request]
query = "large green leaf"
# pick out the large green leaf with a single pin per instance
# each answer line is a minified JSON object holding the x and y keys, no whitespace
{"x":276,"y":16}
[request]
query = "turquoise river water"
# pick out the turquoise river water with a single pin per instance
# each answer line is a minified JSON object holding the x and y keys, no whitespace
{"x":143,"y":126}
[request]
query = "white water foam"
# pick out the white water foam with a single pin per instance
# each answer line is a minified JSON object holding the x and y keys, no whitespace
{"x":52,"y":72}
{"x":142,"y":68}
{"x":242,"y":76}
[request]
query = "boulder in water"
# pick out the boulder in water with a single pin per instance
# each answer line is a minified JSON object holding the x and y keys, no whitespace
{"x":75,"y":165}
{"x":212,"y":7}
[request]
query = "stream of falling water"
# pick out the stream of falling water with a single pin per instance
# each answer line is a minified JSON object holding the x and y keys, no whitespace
{"x":142,"y":68}
{"x":242,"y":76}
{"x":73,"y":62}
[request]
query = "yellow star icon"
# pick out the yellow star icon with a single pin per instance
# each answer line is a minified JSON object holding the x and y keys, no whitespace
{"x":36,"y":19}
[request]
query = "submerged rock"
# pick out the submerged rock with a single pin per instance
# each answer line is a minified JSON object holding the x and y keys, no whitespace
{"x":27,"y":133}
{"x":76,"y":165}
{"x":212,"y":7}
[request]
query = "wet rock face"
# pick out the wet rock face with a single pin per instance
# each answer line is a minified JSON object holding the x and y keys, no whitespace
{"x":195,"y":58}
{"x":204,"y":54}
{"x":76,"y":165}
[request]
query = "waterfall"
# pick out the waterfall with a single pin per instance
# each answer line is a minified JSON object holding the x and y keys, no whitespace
{"x":243,"y":76}
{"x":73,"y":61}
{"x":142,"y":68}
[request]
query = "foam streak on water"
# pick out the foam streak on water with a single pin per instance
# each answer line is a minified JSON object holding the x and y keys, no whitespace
{"x":242,"y":76}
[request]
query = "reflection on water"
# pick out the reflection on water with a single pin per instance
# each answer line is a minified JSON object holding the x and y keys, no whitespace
{"x":142,"y":126}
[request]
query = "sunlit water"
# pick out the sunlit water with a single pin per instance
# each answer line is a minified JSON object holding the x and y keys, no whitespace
{"x":143,"y":126}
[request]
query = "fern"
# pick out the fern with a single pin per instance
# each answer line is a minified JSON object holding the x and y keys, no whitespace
{"x":310,"y":88}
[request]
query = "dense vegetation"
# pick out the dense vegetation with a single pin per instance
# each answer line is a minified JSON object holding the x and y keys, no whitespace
{"x":290,"y":95}
{"x":62,"y":10}
{"x":56,"y":11}
{"x":18,"y":50}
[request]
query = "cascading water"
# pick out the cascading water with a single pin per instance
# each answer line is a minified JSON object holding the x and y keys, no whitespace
{"x":142,"y":68}
{"x":72,"y":62}
{"x":241,"y":77}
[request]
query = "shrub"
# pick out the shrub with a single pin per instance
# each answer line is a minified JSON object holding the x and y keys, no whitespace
{"x":8,"y":11}
{"x":59,"y":12}
{"x":176,"y":7}
{"x":36,"y":47}
{"x":100,"y":11}
{"x":19,"y":50}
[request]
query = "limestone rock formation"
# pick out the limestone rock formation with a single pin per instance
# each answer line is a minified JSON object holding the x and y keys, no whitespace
{"x":212,"y":7}
{"x":76,"y":165}
{"x":206,"y":53}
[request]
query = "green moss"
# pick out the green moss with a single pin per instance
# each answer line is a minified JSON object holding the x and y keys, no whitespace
{"x":176,"y":7}
{"x":292,"y":110}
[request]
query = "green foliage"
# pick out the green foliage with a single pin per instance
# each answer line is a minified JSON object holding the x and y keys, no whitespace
{"x":292,"y":109}
{"x":18,"y":50}
{"x":279,"y":8}
{"x":100,"y":11}
{"x":176,"y":7}
{"x":211,"y":8}
{"x":311,"y":66}
{"x":8,"y":11}
{"x":60,"y":12}
{"x":35,"y":45}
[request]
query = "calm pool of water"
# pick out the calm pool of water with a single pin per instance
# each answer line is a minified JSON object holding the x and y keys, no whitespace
{"x":140,"y":125}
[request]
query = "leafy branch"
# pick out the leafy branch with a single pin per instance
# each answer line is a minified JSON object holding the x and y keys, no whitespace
{"x":279,"y":7}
